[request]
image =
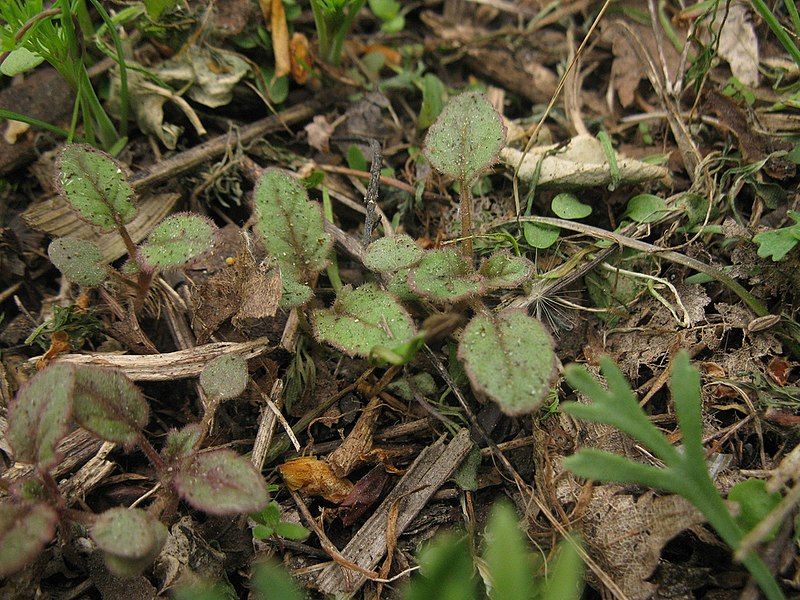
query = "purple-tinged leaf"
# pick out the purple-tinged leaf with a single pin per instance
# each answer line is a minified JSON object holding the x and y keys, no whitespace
{"x":180,"y":442}
{"x":109,"y":405}
{"x":129,"y":538}
{"x":222,"y":483}
{"x":39,"y":417}
{"x":25,"y":530}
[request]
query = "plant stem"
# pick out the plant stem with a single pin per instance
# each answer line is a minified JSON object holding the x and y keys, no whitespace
{"x":10,"y":114}
{"x":153,"y":456}
{"x":465,"y":195}
{"x":123,"y":71}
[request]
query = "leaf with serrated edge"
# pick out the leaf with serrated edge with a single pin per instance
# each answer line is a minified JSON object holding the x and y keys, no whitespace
{"x":177,"y":240}
{"x":290,"y":225}
{"x":466,"y":137}
{"x":362,"y":319}
{"x":24,"y":531}
{"x":389,"y":254}
{"x":509,"y":357}
{"x":225,"y":377}
{"x":445,"y":276}
{"x":39,"y":417}
{"x":504,"y":270}
{"x":81,"y":261}
{"x":109,"y":405}
{"x":222,"y":483}
{"x":95,"y":186}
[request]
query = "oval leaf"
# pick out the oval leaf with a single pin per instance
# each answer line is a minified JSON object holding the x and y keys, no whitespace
{"x":81,"y":261}
{"x":39,"y":417}
{"x":129,"y":538}
{"x":94,"y":185}
{"x":645,"y":208}
{"x":222,"y":483}
{"x":177,"y":240}
{"x":362,"y":319}
{"x":445,"y":276}
{"x":109,"y":405}
{"x":291,"y":226}
{"x":539,"y":235}
{"x":20,"y":60}
{"x":567,"y":206}
{"x":225,"y":377}
{"x":180,"y":442}
{"x":509,"y":357}
{"x":504,"y":270}
{"x":466,"y":137}
{"x":389,"y":254}
{"x":24,"y":531}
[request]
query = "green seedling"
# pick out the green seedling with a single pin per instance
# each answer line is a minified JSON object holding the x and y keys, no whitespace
{"x":270,"y":525}
{"x":388,"y":11}
{"x":96,"y":188}
{"x":108,"y":405}
{"x":443,"y":276}
{"x":333,"y":19}
{"x":777,"y":243}
{"x":293,"y":231}
{"x":463,"y":142}
{"x":684,"y":472}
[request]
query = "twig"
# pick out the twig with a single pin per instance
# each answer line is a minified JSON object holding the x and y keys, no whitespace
{"x":371,"y":198}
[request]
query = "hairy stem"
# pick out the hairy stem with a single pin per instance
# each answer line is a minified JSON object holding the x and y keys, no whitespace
{"x":465,"y":195}
{"x":153,"y":456}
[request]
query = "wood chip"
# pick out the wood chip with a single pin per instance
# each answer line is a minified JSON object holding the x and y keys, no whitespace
{"x":429,"y":471}
{"x":171,"y":365}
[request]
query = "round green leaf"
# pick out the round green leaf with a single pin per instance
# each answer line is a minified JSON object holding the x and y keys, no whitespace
{"x":466,"y":137}
{"x":81,"y":261}
{"x":509,"y":357}
{"x":25,"y":530}
{"x":20,"y":60}
{"x":645,"y":208}
{"x":389,"y":254}
{"x":95,"y":186}
{"x":130,"y":539}
{"x":225,"y":377}
{"x":567,"y":206}
{"x":222,"y":483}
{"x":109,"y":405}
{"x":362,"y":319}
{"x":177,"y":240}
{"x":40,"y":415}
{"x":445,"y":276}
{"x":539,"y":235}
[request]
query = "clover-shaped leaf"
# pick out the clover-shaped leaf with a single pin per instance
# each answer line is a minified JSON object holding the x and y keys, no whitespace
{"x":130,"y":539}
{"x":509,"y":357}
{"x":177,"y":240}
{"x":362,"y":319}
{"x":25,"y":529}
{"x":390,"y":254}
{"x":466,"y":137}
{"x":504,"y":270}
{"x":221,"y":483}
{"x":95,"y":186}
{"x":81,"y":261}
{"x":291,"y":227}
{"x":109,"y":405}
{"x":445,"y":276}
{"x":225,"y":377}
{"x":40,"y":415}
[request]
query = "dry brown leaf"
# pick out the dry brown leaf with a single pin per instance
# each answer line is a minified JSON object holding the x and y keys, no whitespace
{"x":280,"y":39}
{"x":301,"y":57}
{"x":738,"y":43}
{"x":313,"y":477}
{"x":319,"y":133}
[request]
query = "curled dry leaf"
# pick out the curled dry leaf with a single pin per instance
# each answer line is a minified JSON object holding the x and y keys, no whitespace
{"x":313,"y":477}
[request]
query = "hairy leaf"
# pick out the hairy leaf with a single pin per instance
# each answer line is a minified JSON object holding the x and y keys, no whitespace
{"x":222,"y":483}
{"x":362,"y":319}
{"x":225,"y":377}
{"x":506,"y":556}
{"x":445,"y":276}
{"x":130,"y":539}
{"x":94,"y":185}
{"x":180,"y":442}
{"x":177,"y":240}
{"x":39,"y":417}
{"x":291,"y":226}
{"x":389,"y":254}
{"x":504,"y":270}
{"x":81,"y":261}
{"x":109,"y":405}
{"x":25,"y":530}
{"x":510,"y":358}
{"x":466,"y":137}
